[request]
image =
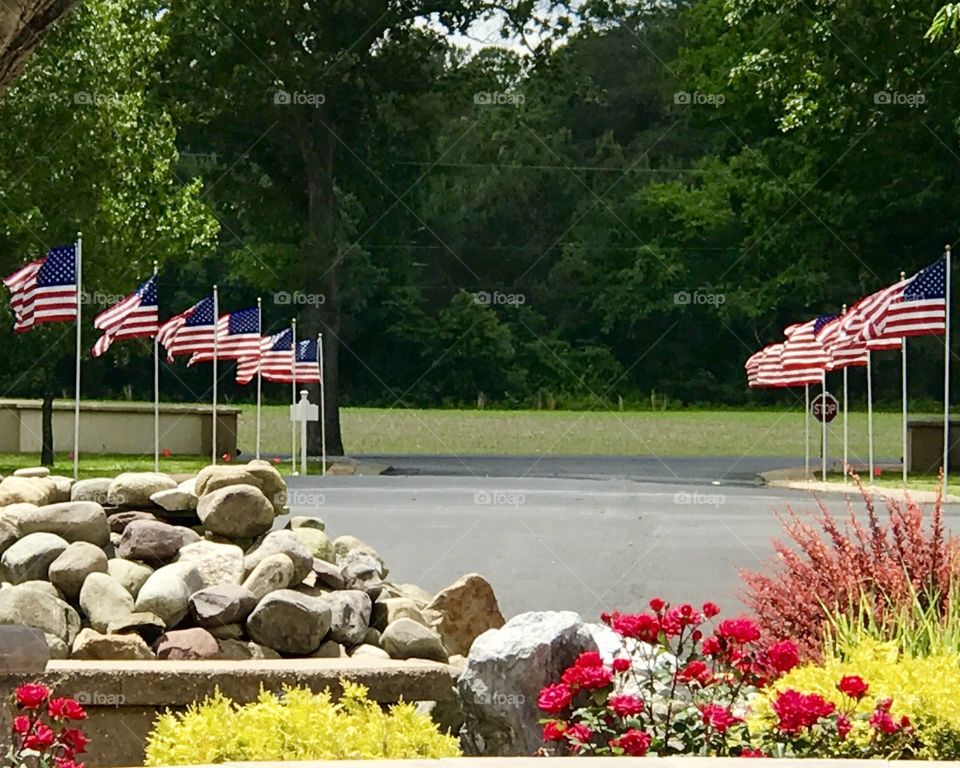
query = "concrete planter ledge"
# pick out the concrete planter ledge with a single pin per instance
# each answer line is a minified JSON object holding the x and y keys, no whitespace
{"x":124,"y":697}
{"x":583,"y":762}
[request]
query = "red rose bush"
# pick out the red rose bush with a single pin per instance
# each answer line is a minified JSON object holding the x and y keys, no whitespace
{"x":43,"y":733}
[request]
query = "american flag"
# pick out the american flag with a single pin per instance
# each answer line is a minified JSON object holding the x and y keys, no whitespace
{"x":45,"y":290}
{"x":771,"y":373}
{"x":802,"y":349}
{"x":135,"y":317}
{"x":274,"y":358}
{"x":190,"y":331}
{"x":919,"y":308}
{"x":857,"y":327}
{"x":307,"y":366}
{"x":843,"y":351}
{"x":238,"y":335}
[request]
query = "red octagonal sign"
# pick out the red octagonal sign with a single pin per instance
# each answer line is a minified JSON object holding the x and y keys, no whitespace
{"x":825,"y":407}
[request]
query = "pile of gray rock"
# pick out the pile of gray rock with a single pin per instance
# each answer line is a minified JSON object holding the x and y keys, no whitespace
{"x":107,"y":569}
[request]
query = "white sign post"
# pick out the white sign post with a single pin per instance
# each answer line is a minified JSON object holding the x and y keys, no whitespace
{"x":304,"y":411}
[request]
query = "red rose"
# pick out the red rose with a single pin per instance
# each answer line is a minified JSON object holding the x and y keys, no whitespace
{"x":66,"y":762}
{"x":621,"y":664}
{"x":625,"y":705}
{"x":883,"y":722}
{"x":657,"y":605}
{"x":41,"y":738}
{"x":593,"y":678}
{"x":21,"y":725}
{"x":695,"y":672}
{"x":74,"y":739}
{"x":717,"y":717}
{"x":711,"y":646}
{"x":554,"y":698}
{"x":853,"y":686}
{"x":710,"y":610}
{"x":633,"y":743}
{"x":640,"y":626}
{"x":572,"y":677}
{"x":783,"y":656}
{"x":884,"y":704}
{"x":751,"y":752}
{"x":578,"y":733}
{"x":797,"y":711}
{"x":553,"y":730}
{"x":32,"y":695}
{"x":740,"y":630}
{"x":844,"y":726}
{"x":588,"y":659}
{"x":66,"y":709}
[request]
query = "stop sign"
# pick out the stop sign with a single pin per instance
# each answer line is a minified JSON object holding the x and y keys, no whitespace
{"x":825,"y":407}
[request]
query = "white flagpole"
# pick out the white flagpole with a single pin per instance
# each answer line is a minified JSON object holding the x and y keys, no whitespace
{"x":216,"y":352}
{"x":846,"y":452}
{"x":259,"y":361}
{"x":156,"y":385}
{"x":903,"y":384}
{"x":806,"y":431}
{"x":823,"y":427}
{"x":323,"y":406}
{"x":76,"y":393}
{"x":293,"y":396}
{"x":946,"y":374}
{"x":869,"y":418}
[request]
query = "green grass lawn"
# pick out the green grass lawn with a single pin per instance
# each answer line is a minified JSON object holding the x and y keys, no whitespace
{"x":104,"y":465}
{"x":466,"y":432}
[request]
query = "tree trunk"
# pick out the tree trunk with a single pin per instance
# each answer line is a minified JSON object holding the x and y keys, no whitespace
{"x":23,"y":25}
{"x":322,"y":275}
{"x":46,"y":430}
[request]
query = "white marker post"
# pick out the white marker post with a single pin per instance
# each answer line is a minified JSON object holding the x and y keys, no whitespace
{"x":869,"y":418}
{"x":259,"y":361}
{"x":323,"y":406}
{"x":903,"y":385}
{"x":946,"y":373}
{"x":216,"y":352}
{"x":302,"y":412}
{"x":156,"y":382}
{"x":806,"y":431}
{"x":78,"y":253}
{"x":823,"y":427}
{"x":846,"y":452}
{"x":293,"y":395}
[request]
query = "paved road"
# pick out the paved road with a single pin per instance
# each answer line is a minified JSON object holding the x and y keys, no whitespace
{"x":586,"y":545}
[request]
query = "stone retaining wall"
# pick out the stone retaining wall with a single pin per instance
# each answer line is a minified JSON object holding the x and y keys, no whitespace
{"x":123,"y":697}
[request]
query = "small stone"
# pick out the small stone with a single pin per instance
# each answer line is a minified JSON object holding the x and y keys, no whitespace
{"x":363,"y":574}
{"x":400,"y":608}
{"x":372,"y":637}
{"x":174,"y":500}
{"x":8,"y":534}
{"x":131,"y":575}
{"x":272,"y":573}
{"x":222,"y":604}
{"x":329,"y":649}
{"x":467,"y":608}
{"x":23,"y":650}
{"x":349,"y":616}
{"x":103,"y":600}
{"x":31,"y":556}
{"x":348,"y":548}
{"x":91,"y":645}
{"x":71,"y":520}
{"x":42,"y":586}
{"x":59,"y":650}
{"x":287,"y":543}
{"x":370,"y":651}
{"x":32,"y":472}
{"x":148,"y":625}
{"x":63,"y":484}
{"x":119,"y":521}
{"x":407,"y":639}
{"x":216,"y":563}
{"x":68,"y":572}
{"x":187,"y":644}
{"x":134,"y":489}
{"x":93,"y":489}
{"x":300,"y":521}
{"x":412,"y":592}
{"x":188,"y":535}
{"x":227,"y":631}
{"x":289,"y":622}
{"x":236,"y":511}
{"x":37,"y":491}
{"x":327,"y":575}
{"x":167,"y":592}
{"x":29,"y":607}
{"x":317,"y":542}
{"x":235,"y":650}
{"x":152,"y":542}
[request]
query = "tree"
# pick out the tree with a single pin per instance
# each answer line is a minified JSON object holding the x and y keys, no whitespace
{"x":84,"y":148}
{"x":23,"y":26}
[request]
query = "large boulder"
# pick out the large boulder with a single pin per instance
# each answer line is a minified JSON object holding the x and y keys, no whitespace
{"x":272,"y":573}
{"x":221,"y":604}
{"x":152,"y":542}
{"x":63,"y":485}
{"x":506,"y":670}
{"x":187,"y":645}
{"x":408,"y":639}
{"x":467,"y":608}
{"x":31,"y":556}
{"x":92,"y":489}
{"x":363,"y":572}
{"x":131,"y":575}
{"x":119,"y":521}
{"x":104,"y":600}
{"x":134,"y":489}
{"x":23,"y":650}
{"x":167,"y":592}
{"x":260,"y":474}
{"x":349,"y":616}
{"x":327,"y":575}
{"x":38,"y":491}
{"x":30,"y":607}
{"x":91,"y":645}
{"x":348,"y":549}
{"x":174,"y":500}
{"x":236,"y":511}
{"x":216,"y":563}
{"x":68,"y":572}
{"x":286,"y":543}
{"x":289,"y":622}
{"x":390,"y":609}
{"x":71,"y":520}
{"x":8,"y":534}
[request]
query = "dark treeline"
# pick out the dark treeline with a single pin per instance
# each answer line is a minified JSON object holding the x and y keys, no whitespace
{"x":627,"y":210}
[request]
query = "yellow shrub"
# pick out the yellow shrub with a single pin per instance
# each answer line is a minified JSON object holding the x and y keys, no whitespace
{"x":300,"y":725}
{"x":927,"y":690}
